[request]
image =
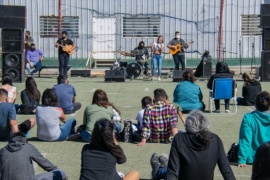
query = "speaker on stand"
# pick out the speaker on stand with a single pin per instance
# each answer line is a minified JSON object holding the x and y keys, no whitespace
{"x":13,"y":57}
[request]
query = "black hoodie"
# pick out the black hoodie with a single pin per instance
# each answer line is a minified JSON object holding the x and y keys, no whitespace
{"x":191,"y":160}
{"x":16,"y":160}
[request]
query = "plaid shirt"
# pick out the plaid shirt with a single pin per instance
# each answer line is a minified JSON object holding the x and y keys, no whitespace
{"x":158,"y":121}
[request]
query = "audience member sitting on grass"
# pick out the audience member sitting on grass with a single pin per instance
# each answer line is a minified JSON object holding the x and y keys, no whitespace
{"x":30,"y":97}
{"x":116,"y":118}
{"x":159,"y":120}
{"x":48,"y":116}
{"x":66,"y":95}
{"x":222,"y":71}
{"x":16,"y":161}
{"x":194,"y":154}
{"x":8,"y":124}
{"x":187,"y":94}
{"x":250,"y":90}
{"x":100,"y":108}
{"x":99,"y":158}
{"x":254,"y":130}
{"x":260,"y":168}
{"x":7,"y":84}
{"x":146,"y":100}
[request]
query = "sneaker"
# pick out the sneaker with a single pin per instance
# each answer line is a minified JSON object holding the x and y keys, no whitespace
{"x":155,"y":165}
{"x":227,"y":111}
{"x":159,"y":79}
{"x":163,"y":161}
{"x":216,"y":111}
{"x":153,"y":78}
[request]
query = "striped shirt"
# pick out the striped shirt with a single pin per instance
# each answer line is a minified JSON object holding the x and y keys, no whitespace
{"x":158,"y":121}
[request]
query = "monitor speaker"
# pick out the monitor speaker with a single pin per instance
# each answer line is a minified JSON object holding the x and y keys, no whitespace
{"x":177,"y":75}
{"x":118,"y":75}
{"x":265,"y":66}
{"x":82,"y":73}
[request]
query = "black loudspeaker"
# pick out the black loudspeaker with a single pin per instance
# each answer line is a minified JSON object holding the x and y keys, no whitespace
{"x":265,"y":66}
{"x":12,"y":16}
{"x":115,"y":75}
{"x":177,"y":75}
{"x":13,"y":64}
{"x":207,"y":68}
{"x":83,"y":73}
{"x":266,"y":39}
{"x":265,"y":15}
{"x":13,"y":57}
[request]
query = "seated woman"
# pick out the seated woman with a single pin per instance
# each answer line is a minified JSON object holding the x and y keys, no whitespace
{"x":187,"y":94}
{"x":250,"y":90}
{"x":198,"y":150}
{"x":222,"y":71}
{"x":99,"y":158}
{"x":260,"y":168}
{"x":254,"y":130}
{"x":7,"y":84}
{"x":30,"y":97}
{"x":100,"y":108}
{"x":48,"y":116}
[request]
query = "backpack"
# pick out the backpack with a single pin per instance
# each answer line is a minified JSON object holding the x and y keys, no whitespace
{"x":232,"y":154}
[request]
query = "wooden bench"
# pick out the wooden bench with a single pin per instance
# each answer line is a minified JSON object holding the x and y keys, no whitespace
{"x":104,"y":62}
{"x":50,"y":67}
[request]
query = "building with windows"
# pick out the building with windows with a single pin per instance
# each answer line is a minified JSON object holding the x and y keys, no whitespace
{"x":119,"y":25}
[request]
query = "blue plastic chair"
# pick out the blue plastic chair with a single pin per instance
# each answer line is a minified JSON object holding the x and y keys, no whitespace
{"x":223,"y":88}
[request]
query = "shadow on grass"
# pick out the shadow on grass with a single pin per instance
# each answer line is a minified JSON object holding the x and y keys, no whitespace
{"x":36,"y":139}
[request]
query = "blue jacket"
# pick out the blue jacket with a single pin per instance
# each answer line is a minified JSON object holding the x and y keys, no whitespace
{"x":254,"y":131}
{"x":188,"y":96}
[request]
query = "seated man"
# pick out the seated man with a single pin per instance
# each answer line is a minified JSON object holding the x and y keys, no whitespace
{"x":33,"y":60}
{"x":145,"y":102}
{"x":66,"y":95}
{"x":16,"y":161}
{"x":8,"y":124}
{"x":159,"y":120}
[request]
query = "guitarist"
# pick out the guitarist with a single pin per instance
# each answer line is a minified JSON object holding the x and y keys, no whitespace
{"x":179,"y":56}
{"x":63,"y":56}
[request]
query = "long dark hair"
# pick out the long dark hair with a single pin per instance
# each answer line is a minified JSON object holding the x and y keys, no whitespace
{"x":100,"y":98}
{"x":31,"y":89}
{"x":260,"y":169}
{"x":49,"y":98}
{"x":7,"y":79}
{"x":188,"y":76}
{"x":102,"y":135}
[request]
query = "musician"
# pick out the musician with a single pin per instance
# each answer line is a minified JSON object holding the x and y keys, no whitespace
{"x":157,"y":49}
{"x":28,"y":40}
{"x":34,"y":57}
{"x":141,"y":57}
{"x":63,"y":56}
{"x":180,"y":56}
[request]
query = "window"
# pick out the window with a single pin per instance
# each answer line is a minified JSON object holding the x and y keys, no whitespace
{"x":49,"y":26}
{"x":141,"y":26}
{"x":250,"y":25}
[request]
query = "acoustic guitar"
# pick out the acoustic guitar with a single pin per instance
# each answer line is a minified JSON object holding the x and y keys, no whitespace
{"x":67,"y":48}
{"x":177,"y":48}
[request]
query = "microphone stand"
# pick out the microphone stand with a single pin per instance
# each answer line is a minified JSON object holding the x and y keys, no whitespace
{"x":240,"y":56}
{"x":253,"y":57}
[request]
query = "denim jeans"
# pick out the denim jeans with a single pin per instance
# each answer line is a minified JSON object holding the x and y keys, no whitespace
{"x":37,"y":66}
{"x":217,"y":105}
{"x":85,"y":136}
{"x":63,"y":63}
{"x":162,"y":172}
{"x":157,"y":63}
{"x":66,"y":129}
{"x":55,"y":174}
{"x":117,"y":126}
{"x":179,"y":59}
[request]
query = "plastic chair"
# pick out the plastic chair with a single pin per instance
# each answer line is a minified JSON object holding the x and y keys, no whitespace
{"x":223,"y":88}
